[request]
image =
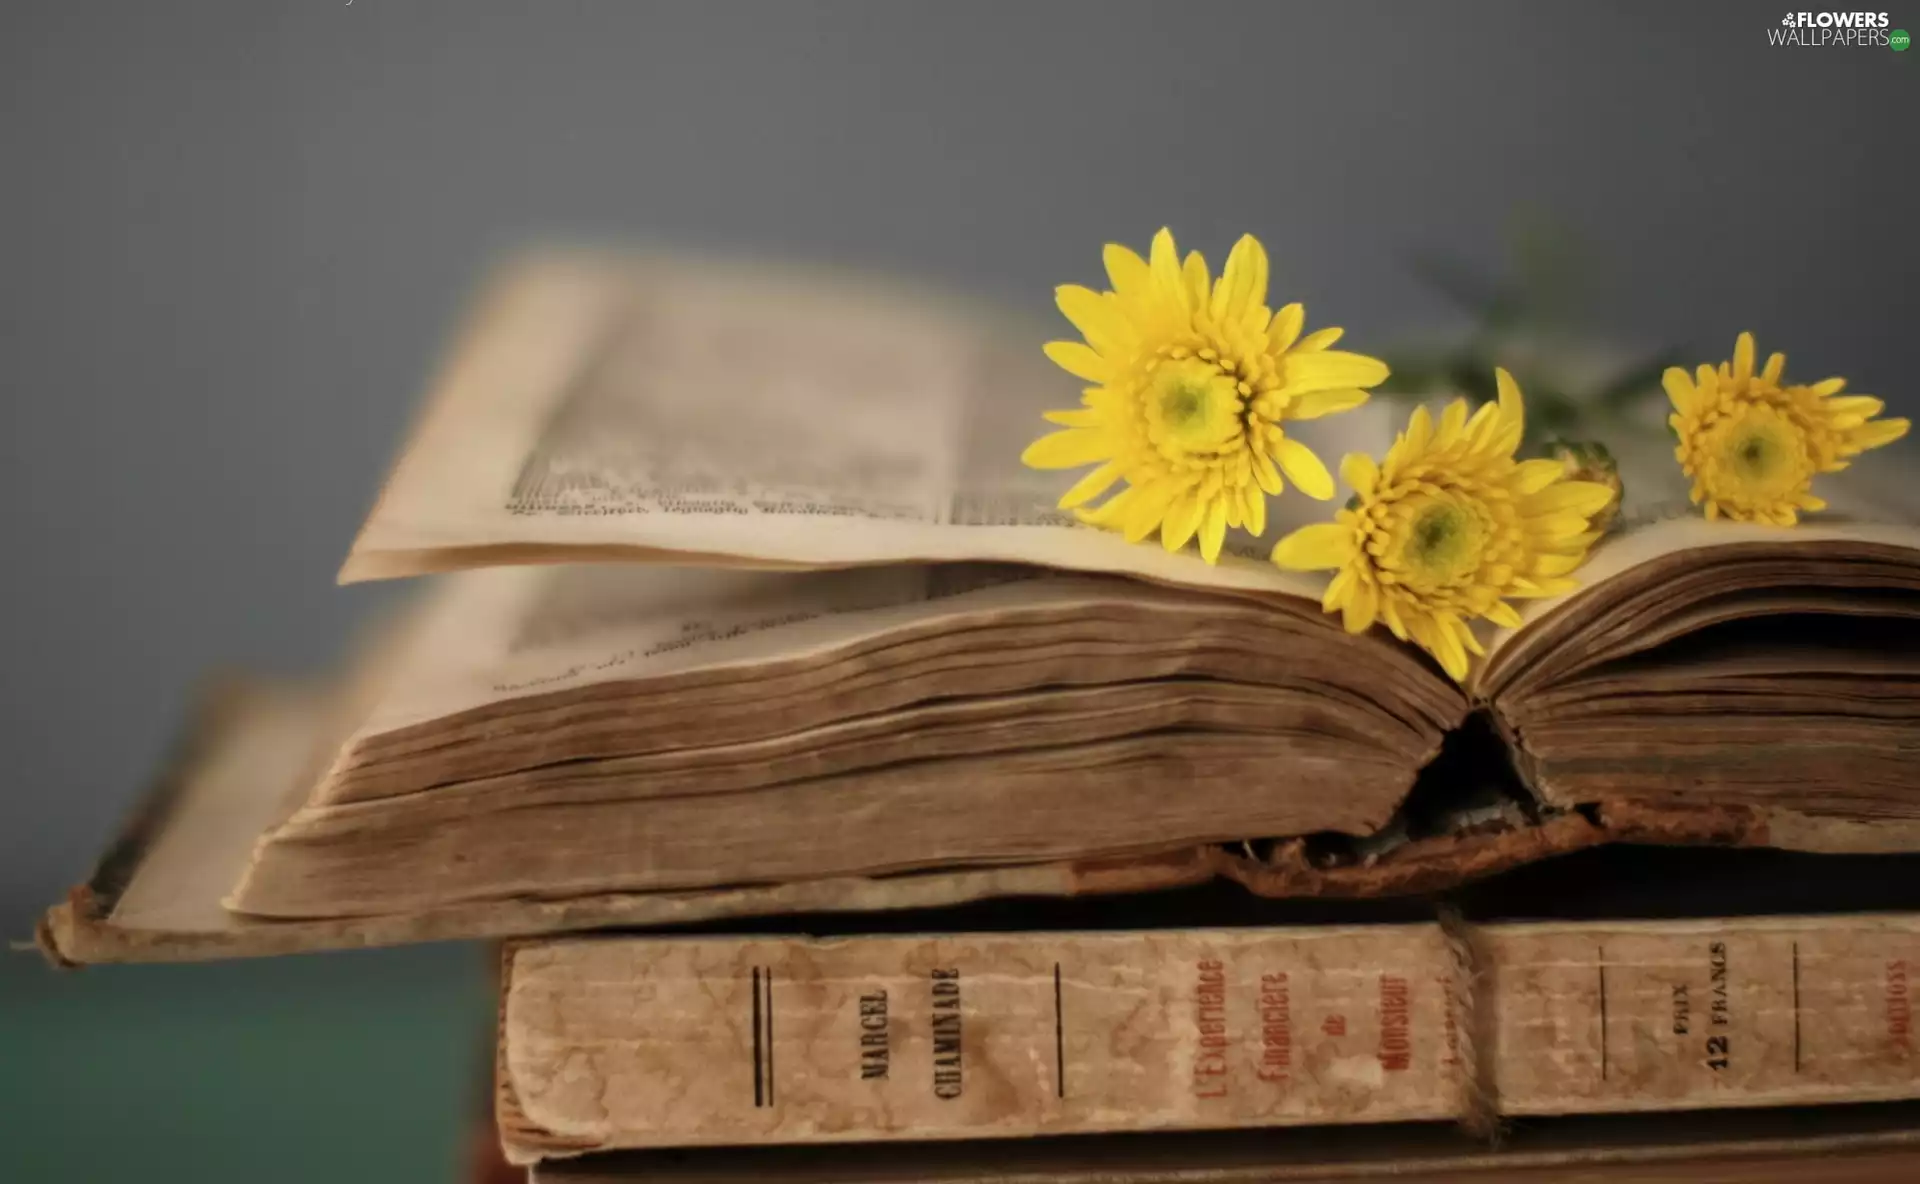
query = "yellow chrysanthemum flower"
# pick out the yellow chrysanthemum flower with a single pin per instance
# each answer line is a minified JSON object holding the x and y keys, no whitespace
{"x":1447,"y":527}
{"x":1194,"y":380}
{"x":1753,"y":446}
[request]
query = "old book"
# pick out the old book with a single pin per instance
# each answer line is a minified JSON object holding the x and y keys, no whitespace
{"x":1834,"y":1144}
{"x":901,"y":680}
{"x":649,"y":408}
{"x":158,"y":893}
{"x":626,"y":1042}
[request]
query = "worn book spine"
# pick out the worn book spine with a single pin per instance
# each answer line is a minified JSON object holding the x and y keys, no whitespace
{"x":649,"y":1042}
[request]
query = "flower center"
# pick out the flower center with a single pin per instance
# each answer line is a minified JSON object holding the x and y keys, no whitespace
{"x":1756,"y":455}
{"x":1760,"y":453}
{"x":1193,"y":407}
{"x":1437,"y":540}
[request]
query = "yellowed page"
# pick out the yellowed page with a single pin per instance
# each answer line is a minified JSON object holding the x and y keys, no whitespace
{"x":502,"y":633}
{"x":248,"y":766}
{"x":1874,"y":500}
{"x":608,"y":407}
{"x":1681,"y":530}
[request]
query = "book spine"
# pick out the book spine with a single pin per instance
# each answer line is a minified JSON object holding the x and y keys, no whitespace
{"x":637,"y":1042}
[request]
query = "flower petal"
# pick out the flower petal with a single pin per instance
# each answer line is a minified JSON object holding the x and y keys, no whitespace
{"x":1098,"y":319}
{"x":1513,"y":408}
{"x":1465,"y":630}
{"x":1359,"y":471}
{"x":1315,"y":548}
{"x":1090,"y":486}
{"x":1079,"y":417}
{"x":1148,"y":508}
{"x":1110,"y":512}
{"x":1556,"y":565}
{"x":1320,"y":339}
{"x":1585,"y":498}
{"x":1330,"y":370}
{"x":1483,"y":430}
{"x":1546,"y":529}
{"x":1183,"y":518}
{"x":1126,"y":271}
{"x":1743,"y":356}
{"x":1163,"y":261}
{"x":1243,"y":281}
{"x":1338,"y":589}
{"x":1532,"y":476}
{"x":1285,"y":328}
{"x":1418,"y":435}
{"x":1315,"y":404}
{"x":1503,"y":614}
{"x":1303,"y":468}
{"x":1068,"y":450}
{"x":1213,"y":530}
{"x":1255,"y":515}
{"x":1864,"y":406}
{"x":1361,"y":608}
{"x":1196,"y":281}
{"x":1680,"y":389}
{"x":1265,"y":475}
{"x":1079,"y":360}
{"x":1390,"y":614}
{"x":1452,"y":422}
{"x":1447,"y":647}
{"x":1873,"y":435}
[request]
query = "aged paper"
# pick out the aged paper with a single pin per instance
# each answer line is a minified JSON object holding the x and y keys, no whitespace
{"x":247,"y":767}
{"x":1660,"y":536}
{"x":495,"y":634}
{"x":606,"y":408}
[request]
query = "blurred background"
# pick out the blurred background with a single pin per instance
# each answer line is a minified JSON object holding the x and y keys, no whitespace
{"x":236,"y":235}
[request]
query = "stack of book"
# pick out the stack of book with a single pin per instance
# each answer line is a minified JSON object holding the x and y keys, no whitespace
{"x":832,"y":788}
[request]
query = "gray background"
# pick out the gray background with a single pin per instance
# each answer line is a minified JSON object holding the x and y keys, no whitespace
{"x":235,"y":235}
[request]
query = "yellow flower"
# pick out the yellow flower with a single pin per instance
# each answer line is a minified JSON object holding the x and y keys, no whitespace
{"x":1447,"y":527}
{"x":1753,"y":446}
{"x":1193,"y":380}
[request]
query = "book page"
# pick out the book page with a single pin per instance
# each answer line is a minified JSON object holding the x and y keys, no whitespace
{"x":1872,"y":501}
{"x":1657,"y":536}
{"x":611,"y":408}
{"x":246,"y":778}
{"x":245,"y":765}
{"x":503,"y":633}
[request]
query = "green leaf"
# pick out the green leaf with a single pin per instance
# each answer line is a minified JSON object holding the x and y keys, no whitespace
{"x":1637,"y":381}
{"x":1549,"y":414}
{"x":1471,"y":374}
{"x":1494,"y":302}
{"x":1549,"y":269}
{"x":1412,"y":374}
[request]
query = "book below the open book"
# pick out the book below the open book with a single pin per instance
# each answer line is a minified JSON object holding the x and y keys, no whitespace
{"x":631,"y":1042}
{"x":897,"y":676}
{"x":1879,"y":1146}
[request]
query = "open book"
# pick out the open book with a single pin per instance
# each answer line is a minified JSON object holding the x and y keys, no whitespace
{"x":897,"y":676}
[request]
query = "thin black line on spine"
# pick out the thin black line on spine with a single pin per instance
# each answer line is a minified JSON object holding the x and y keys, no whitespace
{"x":759,"y":1084}
{"x":1059,"y":1040}
{"x":1796,"y":1007}
{"x":769,"y":973}
{"x":1602,"y":951}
